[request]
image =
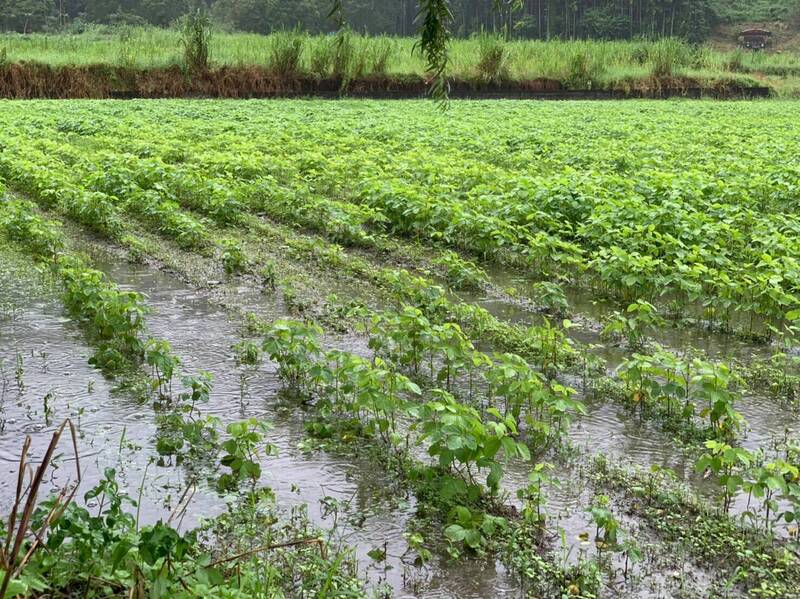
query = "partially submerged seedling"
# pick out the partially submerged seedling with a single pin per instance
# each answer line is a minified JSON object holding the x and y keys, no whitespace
{"x":634,"y":324}
{"x":233,"y":257}
{"x":242,"y":452}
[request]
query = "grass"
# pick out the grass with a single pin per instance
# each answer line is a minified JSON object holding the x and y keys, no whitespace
{"x":592,"y":63}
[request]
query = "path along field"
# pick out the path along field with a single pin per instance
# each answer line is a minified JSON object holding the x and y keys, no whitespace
{"x":504,"y":284}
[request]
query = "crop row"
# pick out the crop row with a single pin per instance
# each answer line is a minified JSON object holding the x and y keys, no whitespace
{"x":122,"y":191}
{"x":645,"y":211}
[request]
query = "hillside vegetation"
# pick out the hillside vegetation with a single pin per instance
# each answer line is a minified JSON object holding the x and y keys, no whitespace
{"x":745,"y":11}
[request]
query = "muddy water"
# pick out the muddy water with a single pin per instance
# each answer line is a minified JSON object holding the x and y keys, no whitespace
{"x":50,"y":355}
{"x":587,"y":312}
{"x":201,"y":334}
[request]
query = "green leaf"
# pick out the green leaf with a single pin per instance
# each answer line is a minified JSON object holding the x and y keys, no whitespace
{"x":455,"y":533}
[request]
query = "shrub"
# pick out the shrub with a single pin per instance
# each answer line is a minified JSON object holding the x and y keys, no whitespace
{"x":286,"y":51}
{"x":666,"y":56}
{"x":583,"y":73}
{"x":321,"y":59}
{"x":196,"y":41}
{"x":382,"y":50}
{"x":493,"y":61}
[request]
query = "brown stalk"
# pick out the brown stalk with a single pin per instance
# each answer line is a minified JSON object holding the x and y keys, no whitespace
{"x":17,"y":533}
{"x":271,"y":547}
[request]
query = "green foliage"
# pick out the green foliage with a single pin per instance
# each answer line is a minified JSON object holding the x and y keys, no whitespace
{"x":295,"y":347}
{"x":461,"y":273}
{"x":286,"y":50}
{"x":634,"y":324}
{"x":534,"y":495}
{"x":606,"y":525}
{"x":493,"y":59}
{"x":114,"y":318}
{"x":757,"y":564}
{"x":20,"y":223}
{"x":551,"y":297}
{"x":242,"y":451}
{"x":433,"y":45}
{"x":233,"y":258}
{"x":666,"y":56}
{"x":247,"y":353}
{"x":464,"y":444}
{"x":158,"y":355}
{"x":682,"y":388}
{"x":749,"y":11}
{"x":107,"y":553}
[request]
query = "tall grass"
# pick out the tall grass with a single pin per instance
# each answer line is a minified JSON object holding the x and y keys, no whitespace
{"x":493,"y":58}
{"x":196,"y":41}
{"x":351,"y":55}
{"x":286,"y":52}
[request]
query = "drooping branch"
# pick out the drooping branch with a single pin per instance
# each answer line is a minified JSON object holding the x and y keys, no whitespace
{"x":434,"y":20}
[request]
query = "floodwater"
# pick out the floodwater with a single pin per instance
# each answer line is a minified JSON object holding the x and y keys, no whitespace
{"x":44,"y":354}
{"x":587,"y":313}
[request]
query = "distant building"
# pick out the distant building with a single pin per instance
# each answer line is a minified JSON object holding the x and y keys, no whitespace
{"x":754,"y":39}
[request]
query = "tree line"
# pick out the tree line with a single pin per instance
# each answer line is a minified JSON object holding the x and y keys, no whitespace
{"x":539,"y":19}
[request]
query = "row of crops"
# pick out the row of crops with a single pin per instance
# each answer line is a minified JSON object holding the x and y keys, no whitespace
{"x":694,"y":211}
{"x":681,"y":217}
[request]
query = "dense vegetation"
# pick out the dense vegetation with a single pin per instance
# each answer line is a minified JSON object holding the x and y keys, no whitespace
{"x":542,"y":19}
{"x":679,"y":214}
{"x":737,"y":11}
{"x":243,"y":64}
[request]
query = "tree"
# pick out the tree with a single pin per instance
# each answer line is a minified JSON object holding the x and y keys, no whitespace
{"x":26,"y":16}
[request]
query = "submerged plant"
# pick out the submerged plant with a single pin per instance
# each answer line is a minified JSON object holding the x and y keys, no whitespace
{"x":295,"y":347}
{"x":242,"y":451}
{"x":634,"y":324}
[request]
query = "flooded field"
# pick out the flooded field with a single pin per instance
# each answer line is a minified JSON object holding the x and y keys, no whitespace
{"x":422,"y":420}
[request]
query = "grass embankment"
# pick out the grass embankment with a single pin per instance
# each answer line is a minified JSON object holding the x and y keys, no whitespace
{"x":149,"y":62}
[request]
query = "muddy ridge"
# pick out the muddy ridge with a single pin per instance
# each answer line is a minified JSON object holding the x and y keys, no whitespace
{"x":34,"y":80}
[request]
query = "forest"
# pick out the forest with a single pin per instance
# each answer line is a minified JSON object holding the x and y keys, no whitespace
{"x":535,"y":19}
